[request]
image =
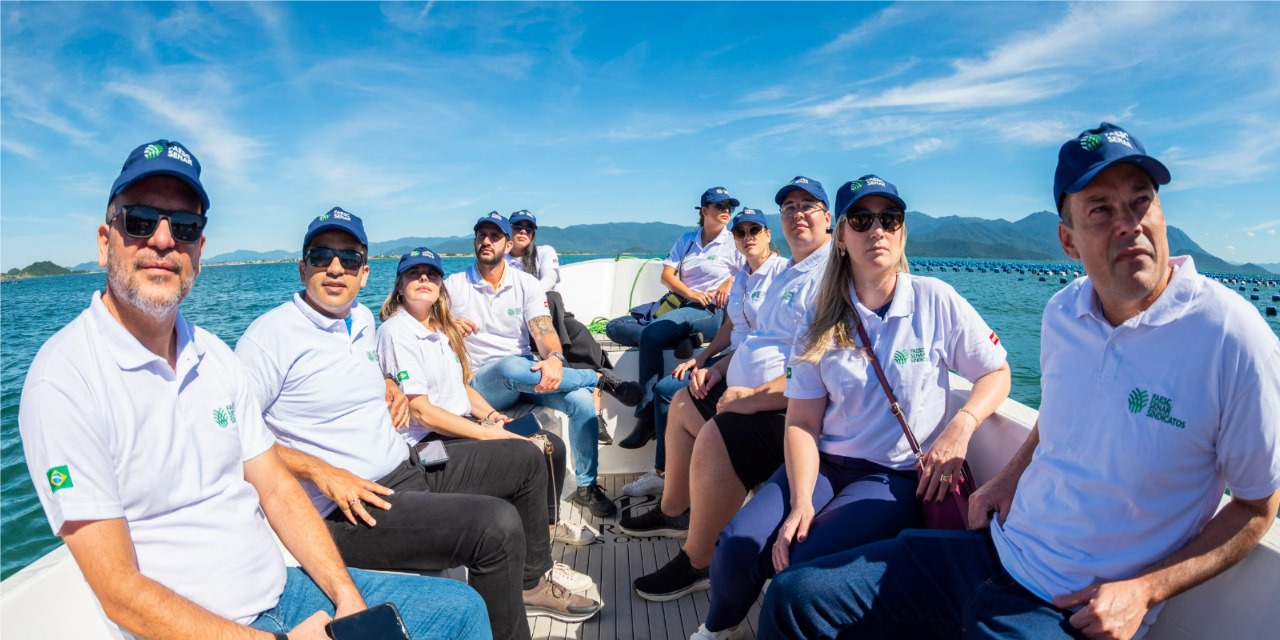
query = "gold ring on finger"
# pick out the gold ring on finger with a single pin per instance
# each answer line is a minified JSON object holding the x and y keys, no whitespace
{"x":946,"y":477}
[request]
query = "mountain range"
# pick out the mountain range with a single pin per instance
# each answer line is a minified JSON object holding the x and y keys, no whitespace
{"x":1034,"y":237}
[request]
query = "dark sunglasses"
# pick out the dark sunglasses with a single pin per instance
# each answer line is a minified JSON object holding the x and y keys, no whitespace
{"x":141,"y":222}
{"x":322,"y":257}
{"x":517,"y":228}
{"x":891,"y":219}
{"x":720,"y":206}
{"x":747,"y":231}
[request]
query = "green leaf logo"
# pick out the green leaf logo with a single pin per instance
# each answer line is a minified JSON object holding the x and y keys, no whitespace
{"x":900,"y":357}
{"x":1091,"y":142}
{"x":221,"y":417}
{"x":856,"y":184}
{"x":402,"y":376}
{"x":59,"y":478}
{"x":152,"y":151}
{"x":1137,"y":400}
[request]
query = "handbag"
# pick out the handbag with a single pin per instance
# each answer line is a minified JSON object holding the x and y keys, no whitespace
{"x":650,"y":311}
{"x":952,"y":511}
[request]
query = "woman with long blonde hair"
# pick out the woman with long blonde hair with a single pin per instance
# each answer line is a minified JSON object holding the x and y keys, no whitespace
{"x":420,"y":347}
{"x":850,"y":476}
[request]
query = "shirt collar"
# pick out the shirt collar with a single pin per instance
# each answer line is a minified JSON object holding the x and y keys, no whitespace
{"x":1166,"y":308}
{"x":419,"y":330}
{"x":816,"y":258}
{"x":332,"y":325}
{"x":129,"y":353}
{"x":478,"y":281}
{"x":902,"y":304}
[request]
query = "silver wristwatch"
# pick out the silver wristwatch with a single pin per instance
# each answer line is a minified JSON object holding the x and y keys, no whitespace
{"x":559,"y":356}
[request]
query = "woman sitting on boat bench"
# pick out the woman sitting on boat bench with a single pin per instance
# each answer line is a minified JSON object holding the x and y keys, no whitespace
{"x":419,"y":347}
{"x":850,"y":475}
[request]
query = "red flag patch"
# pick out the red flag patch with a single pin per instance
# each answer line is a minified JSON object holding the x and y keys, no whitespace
{"x":995,"y":339}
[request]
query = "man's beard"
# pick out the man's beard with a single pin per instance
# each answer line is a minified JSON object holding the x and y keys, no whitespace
{"x":489,"y":262}
{"x":128,"y":288}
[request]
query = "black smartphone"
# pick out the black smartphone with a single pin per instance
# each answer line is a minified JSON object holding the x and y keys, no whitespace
{"x":526,"y":425}
{"x":380,"y":622}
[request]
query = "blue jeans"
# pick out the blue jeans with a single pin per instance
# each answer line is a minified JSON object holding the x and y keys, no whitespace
{"x":508,"y":380}
{"x":658,"y":335}
{"x":430,"y":607}
{"x":666,"y":389}
{"x":926,"y":583}
{"x":856,"y":502}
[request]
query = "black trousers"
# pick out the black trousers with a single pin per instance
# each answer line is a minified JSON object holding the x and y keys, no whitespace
{"x":484,"y":509}
{"x":555,"y":483}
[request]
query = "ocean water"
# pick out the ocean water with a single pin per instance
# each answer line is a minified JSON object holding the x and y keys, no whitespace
{"x":227,"y":298}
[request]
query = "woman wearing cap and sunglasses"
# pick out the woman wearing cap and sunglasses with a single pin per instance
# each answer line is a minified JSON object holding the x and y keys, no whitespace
{"x":850,"y":476}
{"x":754,"y":241}
{"x":700,"y":270}
{"x":421,"y":348}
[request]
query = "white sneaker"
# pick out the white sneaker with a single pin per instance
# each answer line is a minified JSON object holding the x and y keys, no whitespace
{"x":650,"y":484}
{"x":575,"y":533}
{"x":732,"y":633}
{"x":566,"y":577}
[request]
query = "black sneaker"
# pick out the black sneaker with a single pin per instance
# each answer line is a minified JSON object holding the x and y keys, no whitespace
{"x":675,"y":579}
{"x":593,"y":498}
{"x":656,"y":523}
{"x":628,"y":393}
{"x":603,"y":436}
{"x":685,"y":348}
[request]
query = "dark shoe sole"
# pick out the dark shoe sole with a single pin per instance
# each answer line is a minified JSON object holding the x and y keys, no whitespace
{"x":702,"y":584}
{"x":665,"y":532}
{"x":561,"y":615}
{"x":602,"y":513}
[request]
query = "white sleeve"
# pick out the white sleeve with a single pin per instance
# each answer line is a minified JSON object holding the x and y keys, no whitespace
{"x":400,"y":358}
{"x":255,"y":437}
{"x":548,"y":268}
{"x":804,"y":378}
{"x":973,"y":349}
{"x":263,"y":377}
{"x":535,"y":300}
{"x":677,"y":252}
{"x":1248,"y":446}
{"x":68,"y":452}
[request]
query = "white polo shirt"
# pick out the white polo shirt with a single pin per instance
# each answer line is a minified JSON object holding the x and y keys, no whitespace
{"x":747,"y":294}
{"x":111,"y":431}
{"x":321,"y":389}
{"x":503,"y":315}
{"x":1141,"y":427}
{"x":928,"y":330}
{"x":547,"y":264}
{"x":705,"y":266}
{"x":424,"y":364}
{"x":763,"y":355}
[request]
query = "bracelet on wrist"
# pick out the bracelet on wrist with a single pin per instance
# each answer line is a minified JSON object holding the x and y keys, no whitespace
{"x":976,"y":421}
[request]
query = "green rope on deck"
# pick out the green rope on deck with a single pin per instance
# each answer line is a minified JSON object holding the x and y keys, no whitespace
{"x":597,"y":325}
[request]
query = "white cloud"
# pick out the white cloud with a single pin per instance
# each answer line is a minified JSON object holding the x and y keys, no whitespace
{"x":1271,"y":232}
{"x":1230,"y":248}
{"x":923,"y":148}
{"x":885,"y":20}
{"x":1248,"y":155}
{"x":1249,"y":233}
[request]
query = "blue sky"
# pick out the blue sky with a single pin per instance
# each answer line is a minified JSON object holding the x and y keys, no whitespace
{"x":421,"y":117}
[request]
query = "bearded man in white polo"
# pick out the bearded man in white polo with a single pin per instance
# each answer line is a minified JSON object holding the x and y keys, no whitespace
{"x":149,"y":454}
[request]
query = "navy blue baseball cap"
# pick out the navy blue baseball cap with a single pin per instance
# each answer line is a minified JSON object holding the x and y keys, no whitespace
{"x":868,"y":185}
{"x":523,"y":215}
{"x":748,"y":216}
{"x":717,"y":194}
{"x":493,"y":217}
{"x":164,"y":158}
{"x":339,"y":220}
{"x":807,"y":185}
{"x":421,"y":255}
{"x":1082,"y":158}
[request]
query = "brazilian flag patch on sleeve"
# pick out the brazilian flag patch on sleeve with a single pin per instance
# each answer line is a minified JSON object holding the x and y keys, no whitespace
{"x":60,"y":478}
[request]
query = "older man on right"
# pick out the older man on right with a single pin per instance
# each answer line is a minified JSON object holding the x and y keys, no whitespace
{"x":1160,"y":389}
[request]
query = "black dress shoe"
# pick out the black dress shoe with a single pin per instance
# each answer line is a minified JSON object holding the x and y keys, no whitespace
{"x":628,"y":393}
{"x":643,"y":432}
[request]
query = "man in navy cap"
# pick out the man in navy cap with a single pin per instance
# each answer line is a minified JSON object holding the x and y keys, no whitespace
{"x":151,"y":459}
{"x":1108,"y":509}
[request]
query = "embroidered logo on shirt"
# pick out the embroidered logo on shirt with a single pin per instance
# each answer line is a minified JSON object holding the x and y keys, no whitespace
{"x":995,"y":339}
{"x":513,"y":311}
{"x":225,"y":416}
{"x":788,"y":373}
{"x":903,"y":356}
{"x":402,"y":376}
{"x":60,"y":478}
{"x":786,"y":297}
{"x":373,"y":356}
{"x":756,"y":295}
{"x":1157,"y":406}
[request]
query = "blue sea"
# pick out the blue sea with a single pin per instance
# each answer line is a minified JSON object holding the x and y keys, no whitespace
{"x":227,"y":298}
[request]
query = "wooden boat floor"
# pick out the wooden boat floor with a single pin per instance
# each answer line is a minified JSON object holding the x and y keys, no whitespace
{"x":613,"y":561}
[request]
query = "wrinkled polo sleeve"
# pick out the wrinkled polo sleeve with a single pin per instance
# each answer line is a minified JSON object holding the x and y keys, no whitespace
{"x":973,"y":349}
{"x":400,"y":357}
{"x":677,"y":250}
{"x":255,"y":437}
{"x":535,"y":300}
{"x":69,"y":452}
{"x":804,"y":378}
{"x":263,"y":377}
{"x":1248,"y":445}
{"x":548,"y":268}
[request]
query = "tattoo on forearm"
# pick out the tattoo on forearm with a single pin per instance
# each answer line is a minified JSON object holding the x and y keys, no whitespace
{"x":540,"y":326}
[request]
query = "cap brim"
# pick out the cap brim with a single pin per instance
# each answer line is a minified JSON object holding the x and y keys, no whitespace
{"x":1154,"y":169}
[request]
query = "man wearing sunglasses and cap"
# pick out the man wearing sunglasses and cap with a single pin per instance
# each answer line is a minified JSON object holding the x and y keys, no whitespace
{"x":312,"y":363}
{"x":151,"y":459}
{"x":1160,"y":389}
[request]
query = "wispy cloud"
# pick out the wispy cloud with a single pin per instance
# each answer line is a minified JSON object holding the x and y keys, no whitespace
{"x":1246,"y":155}
{"x":883,"y":21}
